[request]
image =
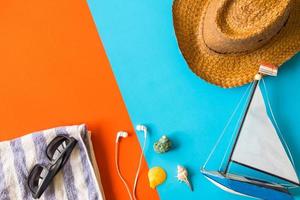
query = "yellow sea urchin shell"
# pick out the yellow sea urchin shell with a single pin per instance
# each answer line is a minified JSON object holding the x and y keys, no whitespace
{"x":156,"y":176}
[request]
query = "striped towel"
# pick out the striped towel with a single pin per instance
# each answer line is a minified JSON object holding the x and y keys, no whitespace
{"x":78,"y":180}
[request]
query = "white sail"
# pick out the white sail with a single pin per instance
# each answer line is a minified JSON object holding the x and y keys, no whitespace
{"x":259,"y":146}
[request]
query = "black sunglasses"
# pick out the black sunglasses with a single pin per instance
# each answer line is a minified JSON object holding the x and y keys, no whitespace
{"x":58,"y":152}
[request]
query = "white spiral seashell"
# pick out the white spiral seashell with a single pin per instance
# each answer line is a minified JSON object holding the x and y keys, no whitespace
{"x":181,"y":173}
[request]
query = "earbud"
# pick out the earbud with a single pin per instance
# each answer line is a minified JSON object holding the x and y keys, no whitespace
{"x":143,"y":128}
{"x":120,"y":134}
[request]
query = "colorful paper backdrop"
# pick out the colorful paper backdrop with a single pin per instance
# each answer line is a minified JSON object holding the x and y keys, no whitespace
{"x":54,"y":71}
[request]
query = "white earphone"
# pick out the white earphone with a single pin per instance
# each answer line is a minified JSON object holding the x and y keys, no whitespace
{"x":120,"y":134}
{"x":141,"y":127}
{"x":144,"y":129}
{"x":123,"y":134}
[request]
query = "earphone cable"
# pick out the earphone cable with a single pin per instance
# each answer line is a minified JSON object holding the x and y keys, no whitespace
{"x":139,"y":166}
{"x":119,"y":172}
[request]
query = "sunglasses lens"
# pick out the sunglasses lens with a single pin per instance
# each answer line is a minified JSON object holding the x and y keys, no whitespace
{"x":57,"y":147}
{"x":36,"y":177}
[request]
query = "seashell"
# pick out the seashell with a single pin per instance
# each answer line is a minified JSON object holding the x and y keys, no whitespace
{"x":162,"y":145}
{"x":156,"y":176}
{"x":182,"y":176}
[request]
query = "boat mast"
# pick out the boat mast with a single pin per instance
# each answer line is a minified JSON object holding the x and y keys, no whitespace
{"x":255,"y":83}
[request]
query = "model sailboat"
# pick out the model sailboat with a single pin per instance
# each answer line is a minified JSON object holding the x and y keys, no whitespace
{"x":257,"y":146}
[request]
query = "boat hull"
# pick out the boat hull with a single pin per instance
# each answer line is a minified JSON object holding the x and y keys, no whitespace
{"x":245,"y":187}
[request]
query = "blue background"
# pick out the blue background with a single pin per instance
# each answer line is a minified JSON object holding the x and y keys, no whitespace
{"x":160,"y":90}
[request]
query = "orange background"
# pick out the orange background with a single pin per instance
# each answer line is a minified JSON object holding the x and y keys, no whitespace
{"x":54,"y":72}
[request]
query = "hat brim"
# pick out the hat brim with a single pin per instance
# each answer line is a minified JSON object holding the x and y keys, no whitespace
{"x":230,"y":70}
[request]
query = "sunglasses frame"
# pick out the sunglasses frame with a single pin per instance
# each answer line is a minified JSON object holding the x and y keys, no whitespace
{"x":54,"y":167}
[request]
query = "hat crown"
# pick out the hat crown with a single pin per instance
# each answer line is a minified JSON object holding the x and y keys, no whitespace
{"x":235,"y":26}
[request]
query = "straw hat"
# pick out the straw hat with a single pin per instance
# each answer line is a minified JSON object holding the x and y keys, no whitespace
{"x":225,"y":41}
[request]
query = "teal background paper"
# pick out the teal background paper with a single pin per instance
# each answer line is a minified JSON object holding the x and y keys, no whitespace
{"x":160,"y":91}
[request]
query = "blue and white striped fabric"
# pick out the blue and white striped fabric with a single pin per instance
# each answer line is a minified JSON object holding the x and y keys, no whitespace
{"x":78,"y":180}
